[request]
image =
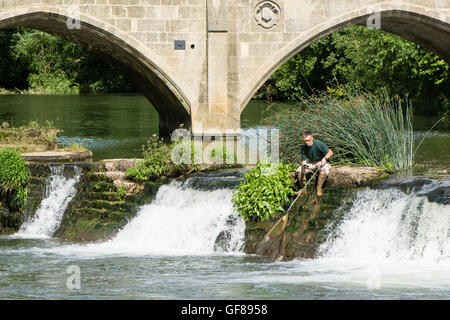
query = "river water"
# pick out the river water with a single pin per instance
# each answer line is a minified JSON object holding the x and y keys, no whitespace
{"x":389,"y":245}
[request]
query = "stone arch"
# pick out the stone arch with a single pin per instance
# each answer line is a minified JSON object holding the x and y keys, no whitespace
{"x":430,"y":29}
{"x":117,"y":48}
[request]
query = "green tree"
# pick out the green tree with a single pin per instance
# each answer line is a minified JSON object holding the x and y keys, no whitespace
{"x":56,"y":66}
{"x":366,"y":58}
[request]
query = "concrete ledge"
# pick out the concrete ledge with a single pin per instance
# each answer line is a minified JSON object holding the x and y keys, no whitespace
{"x":51,"y":156}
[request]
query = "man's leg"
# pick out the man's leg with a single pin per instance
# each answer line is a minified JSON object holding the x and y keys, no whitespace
{"x":301,"y":178}
{"x":323,"y":174}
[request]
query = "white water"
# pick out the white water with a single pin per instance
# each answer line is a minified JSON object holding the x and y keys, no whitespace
{"x":389,"y":225}
{"x":389,"y":245}
{"x":388,"y":239}
{"x":180,"y":221}
{"x":59,"y":192}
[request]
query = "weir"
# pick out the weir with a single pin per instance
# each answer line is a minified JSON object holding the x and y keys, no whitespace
{"x":404,"y":219}
{"x":180,"y":221}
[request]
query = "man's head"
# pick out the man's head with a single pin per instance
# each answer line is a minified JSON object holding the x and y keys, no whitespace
{"x":308,"y":138}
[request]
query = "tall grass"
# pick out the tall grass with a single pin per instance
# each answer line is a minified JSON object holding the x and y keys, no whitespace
{"x":360,"y":127}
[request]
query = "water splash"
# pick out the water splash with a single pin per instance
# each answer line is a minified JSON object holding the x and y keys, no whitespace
{"x":59,"y":192}
{"x":180,"y":221}
{"x":390,"y":225}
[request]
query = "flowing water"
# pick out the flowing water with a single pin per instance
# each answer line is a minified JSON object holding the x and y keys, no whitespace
{"x":187,"y":244}
{"x":59,"y":192}
{"x":389,"y":245}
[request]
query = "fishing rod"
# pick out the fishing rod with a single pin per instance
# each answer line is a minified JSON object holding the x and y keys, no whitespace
{"x":283,"y":216}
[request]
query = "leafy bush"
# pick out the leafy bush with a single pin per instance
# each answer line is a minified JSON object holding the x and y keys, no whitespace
{"x":158,"y":162}
{"x":361,"y":128}
{"x":14,"y":178}
{"x":218,"y":157}
{"x":47,"y":64}
{"x":264,"y":191}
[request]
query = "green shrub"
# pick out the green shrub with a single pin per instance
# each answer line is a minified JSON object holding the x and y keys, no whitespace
{"x":14,"y":178}
{"x":217,"y":156}
{"x":158,"y":162}
{"x":264,"y":191}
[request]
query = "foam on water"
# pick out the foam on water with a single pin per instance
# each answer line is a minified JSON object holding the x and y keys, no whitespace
{"x":389,"y":225}
{"x":59,"y":192}
{"x":387,"y":239}
{"x":180,"y":221}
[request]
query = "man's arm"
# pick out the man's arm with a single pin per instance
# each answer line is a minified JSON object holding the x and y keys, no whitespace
{"x":303,"y":158}
{"x":327,"y":156}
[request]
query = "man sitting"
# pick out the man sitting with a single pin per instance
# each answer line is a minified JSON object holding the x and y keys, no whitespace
{"x":314,"y":153}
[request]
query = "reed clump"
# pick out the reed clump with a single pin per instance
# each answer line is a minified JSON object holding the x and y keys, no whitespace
{"x":361,"y":128}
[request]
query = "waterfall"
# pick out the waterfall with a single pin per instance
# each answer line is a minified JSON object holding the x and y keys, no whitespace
{"x":388,"y":225}
{"x":59,"y":192}
{"x":182,"y":220}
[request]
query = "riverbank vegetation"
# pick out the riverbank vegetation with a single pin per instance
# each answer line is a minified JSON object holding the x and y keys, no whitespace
{"x":33,"y":137}
{"x":14,"y":179}
{"x":158,"y":162}
{"x":35,"y":62}
{"x":177,"y":158}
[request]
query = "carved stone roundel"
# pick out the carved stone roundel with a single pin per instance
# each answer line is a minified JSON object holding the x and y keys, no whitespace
{"x":267,"y":14}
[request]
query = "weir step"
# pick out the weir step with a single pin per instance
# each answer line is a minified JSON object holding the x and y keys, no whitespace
{"x":109,"y":205}
{"x":100,"y":186}
{"x":104,"y":214}
{"x":107,"y":196}
{"x":96,"y":177}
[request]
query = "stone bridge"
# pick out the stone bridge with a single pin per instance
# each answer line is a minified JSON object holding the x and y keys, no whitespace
{"x":199,"y":62}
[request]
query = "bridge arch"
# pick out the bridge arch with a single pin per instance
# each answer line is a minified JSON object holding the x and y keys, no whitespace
{"x":430,"y":29}
{"x":117,"y":48}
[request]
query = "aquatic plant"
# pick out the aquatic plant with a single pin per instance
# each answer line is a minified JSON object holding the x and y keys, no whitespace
{"x":14,"y":179}
{"x":361,"y":128}
{"x":264,"y":191}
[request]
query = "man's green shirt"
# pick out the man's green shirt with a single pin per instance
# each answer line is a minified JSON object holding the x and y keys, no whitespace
{"x":314,"y":153}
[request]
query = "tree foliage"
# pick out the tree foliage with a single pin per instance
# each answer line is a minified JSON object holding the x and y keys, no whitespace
{"x":368,"y":58}
{"x":35,"y":60}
